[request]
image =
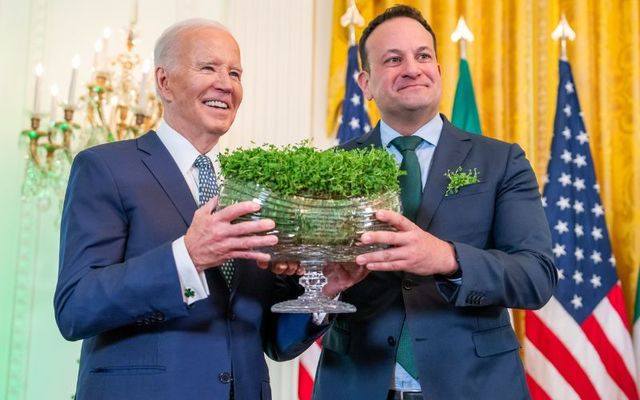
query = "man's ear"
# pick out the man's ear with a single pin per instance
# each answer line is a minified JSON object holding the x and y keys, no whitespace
{"x":162,"y":83}
{"x":363,"y":82}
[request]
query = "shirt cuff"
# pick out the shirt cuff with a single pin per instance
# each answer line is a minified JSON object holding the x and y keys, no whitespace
{"x":193,"y":284}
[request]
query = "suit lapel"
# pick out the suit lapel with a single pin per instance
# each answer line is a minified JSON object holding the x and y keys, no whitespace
{"x":164,"y":169}
{"x":451,"y":151}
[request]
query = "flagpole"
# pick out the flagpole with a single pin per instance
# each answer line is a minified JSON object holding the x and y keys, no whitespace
{"x":350,"y":20}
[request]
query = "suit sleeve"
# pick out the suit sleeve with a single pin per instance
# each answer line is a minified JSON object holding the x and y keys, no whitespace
{"x":98,"y":289}
{"x":518,"y":270}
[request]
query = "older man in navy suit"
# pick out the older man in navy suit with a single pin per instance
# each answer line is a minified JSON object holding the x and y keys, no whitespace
{"x":432,"y":319}
{"x":147,"y":276}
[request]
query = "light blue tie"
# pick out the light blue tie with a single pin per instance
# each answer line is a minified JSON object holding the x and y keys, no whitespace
{"x":207,"y":188}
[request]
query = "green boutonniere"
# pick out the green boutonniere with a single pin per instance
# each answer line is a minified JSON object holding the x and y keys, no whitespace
{"x":459,"y":178}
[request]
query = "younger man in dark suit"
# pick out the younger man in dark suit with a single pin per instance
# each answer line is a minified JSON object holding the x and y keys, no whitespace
{"x":432,"y":320}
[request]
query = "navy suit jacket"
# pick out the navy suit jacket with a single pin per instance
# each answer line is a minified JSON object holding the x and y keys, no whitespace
{"x":118,"y":289}
{"x":464,"y":344}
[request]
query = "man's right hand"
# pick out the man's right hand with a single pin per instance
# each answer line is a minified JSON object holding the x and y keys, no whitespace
{"x":212,"y":239}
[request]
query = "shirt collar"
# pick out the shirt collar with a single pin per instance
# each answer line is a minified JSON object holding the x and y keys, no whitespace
{"x":429,"y":132}
{"x":182,"y":151}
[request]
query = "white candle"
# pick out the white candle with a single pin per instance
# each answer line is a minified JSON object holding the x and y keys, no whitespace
{"x":97,"y":47}
{"x":106,"y":34}
{"x":142,"y":94}
{"x":134,"y":13}
{"x":75,"y":63}
{"x":54,"y":103}
{"x":36,"y":96}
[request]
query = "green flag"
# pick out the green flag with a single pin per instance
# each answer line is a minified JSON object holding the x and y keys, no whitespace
{"x":465,"y":112}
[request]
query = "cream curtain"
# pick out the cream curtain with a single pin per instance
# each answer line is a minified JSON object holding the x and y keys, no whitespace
{"x":514,"y":66}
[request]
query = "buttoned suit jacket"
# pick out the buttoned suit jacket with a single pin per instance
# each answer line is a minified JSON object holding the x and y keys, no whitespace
{"x":464,"y":344}
{"x":118,"y":289}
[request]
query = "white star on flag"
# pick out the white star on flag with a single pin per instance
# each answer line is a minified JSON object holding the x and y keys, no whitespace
{"x":595,"y":281}
{"x":561,"y":227}
{"x":576,"y":301}
{"x":354,"y":123}
{"x":582,"y":138}
{"x":597,"y":210}
{"x":563,"y":203}
{"x":558,"y":250}
{"x":577,"y":277}
{"x":565,"y":179}
{"x":569,"y":87}
{"x":580,"y":161}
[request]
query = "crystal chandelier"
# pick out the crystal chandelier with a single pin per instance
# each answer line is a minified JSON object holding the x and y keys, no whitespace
{"x":118,"y":103}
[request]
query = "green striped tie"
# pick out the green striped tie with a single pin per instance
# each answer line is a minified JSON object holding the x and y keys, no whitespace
{"x":411,"y":196}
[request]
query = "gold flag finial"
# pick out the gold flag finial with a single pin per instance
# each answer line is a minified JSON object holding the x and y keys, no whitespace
{"x":462,"y":34}
{"x":350,"y":19}
{"x":563,"y":32}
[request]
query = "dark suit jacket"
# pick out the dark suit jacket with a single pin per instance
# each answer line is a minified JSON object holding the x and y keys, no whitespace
{"x":118,"y":289}
{"x":464,"y":345}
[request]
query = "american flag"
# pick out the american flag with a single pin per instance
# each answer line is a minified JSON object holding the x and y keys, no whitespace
{"x":578,"y":346}
{"x":354,"y":120}
{"x":307,"y":371}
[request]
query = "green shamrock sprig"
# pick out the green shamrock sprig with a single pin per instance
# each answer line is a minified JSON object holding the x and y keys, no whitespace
{"x":459,"y":178}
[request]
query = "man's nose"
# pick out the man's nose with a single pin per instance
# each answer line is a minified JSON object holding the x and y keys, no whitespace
{"x":412,"y":68}
{"x":222,"y":81}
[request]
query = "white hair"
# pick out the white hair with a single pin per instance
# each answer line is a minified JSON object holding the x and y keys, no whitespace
{"x":164,"y":53}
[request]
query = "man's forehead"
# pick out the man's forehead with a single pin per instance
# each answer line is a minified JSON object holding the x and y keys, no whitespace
{"x":387,"y":33}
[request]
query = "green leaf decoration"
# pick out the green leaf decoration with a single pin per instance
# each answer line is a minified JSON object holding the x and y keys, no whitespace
{"x":459,"y":178}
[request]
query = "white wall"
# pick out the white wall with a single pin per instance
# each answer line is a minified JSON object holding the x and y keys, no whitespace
{"x":285,"y":48}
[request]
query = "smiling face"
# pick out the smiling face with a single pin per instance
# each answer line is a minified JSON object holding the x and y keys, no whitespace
{"x":201,"y":89}
{"x":404,"y":75}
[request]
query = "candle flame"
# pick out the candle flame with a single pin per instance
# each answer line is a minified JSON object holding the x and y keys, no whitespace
{"x":54,"y":90}
{"x":75,"y":62}
{"x":97,"y":46}
{"x":39,"y":69}
{"x":106,"y":33}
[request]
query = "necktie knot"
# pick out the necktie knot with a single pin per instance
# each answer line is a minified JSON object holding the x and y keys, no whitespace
{"x":406,"y":143}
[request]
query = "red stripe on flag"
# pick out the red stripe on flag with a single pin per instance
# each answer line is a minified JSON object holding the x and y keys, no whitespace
{"x":536,"y":391}
{"x":305,"y":384}
{"x":610,"y":357}
{"x":558,"y":355}
{"x":616,"y":299}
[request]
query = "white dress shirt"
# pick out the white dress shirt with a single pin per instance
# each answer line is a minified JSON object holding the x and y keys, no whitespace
{"x":185,"y":154}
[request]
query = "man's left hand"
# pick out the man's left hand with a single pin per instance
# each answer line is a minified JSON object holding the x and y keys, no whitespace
{"x":341,"y":276}
{"x":412,"y":249}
